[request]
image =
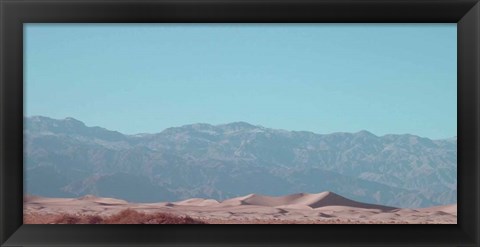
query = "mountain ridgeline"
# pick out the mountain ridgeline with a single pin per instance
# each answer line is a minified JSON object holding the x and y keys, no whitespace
{"x":65,"y":158}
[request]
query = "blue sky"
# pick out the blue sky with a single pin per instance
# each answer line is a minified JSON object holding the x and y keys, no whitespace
{"x":143,"y":78}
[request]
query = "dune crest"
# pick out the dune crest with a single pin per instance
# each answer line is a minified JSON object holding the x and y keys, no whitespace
{"x":102,"y":200}
{"x":302,"y":200}
{"x":197,"y":202}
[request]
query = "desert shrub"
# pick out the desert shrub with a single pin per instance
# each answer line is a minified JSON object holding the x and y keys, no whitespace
{"x":129,"y":216}
{"x":94,"y":219}
{"x":67,"y":219}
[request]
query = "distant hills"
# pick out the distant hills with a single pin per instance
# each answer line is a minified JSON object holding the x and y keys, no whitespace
{"x":65,"y":158}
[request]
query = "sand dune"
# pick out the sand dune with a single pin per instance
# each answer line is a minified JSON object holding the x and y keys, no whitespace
{"x":103,"y":200}
{"x":302,"y":201}
{"x":87,"y":198}
{"x":320,"y":208}
{"x":197,"y":202}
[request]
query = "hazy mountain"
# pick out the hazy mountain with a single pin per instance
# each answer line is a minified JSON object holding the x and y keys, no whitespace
{"x":67,"y":158}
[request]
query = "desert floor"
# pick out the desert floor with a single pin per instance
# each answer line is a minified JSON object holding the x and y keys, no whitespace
{"x":302,"y":208}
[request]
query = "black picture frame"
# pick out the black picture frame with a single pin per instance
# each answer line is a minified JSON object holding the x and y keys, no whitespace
{"x":466,"y":13}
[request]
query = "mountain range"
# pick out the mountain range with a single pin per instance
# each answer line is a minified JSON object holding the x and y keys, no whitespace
{"x":66,"y":158}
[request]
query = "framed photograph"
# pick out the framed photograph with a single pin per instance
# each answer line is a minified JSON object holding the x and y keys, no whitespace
{"x":293,"y":122}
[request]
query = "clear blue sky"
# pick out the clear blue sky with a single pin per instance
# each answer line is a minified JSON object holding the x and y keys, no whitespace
{"x":143,"y":78}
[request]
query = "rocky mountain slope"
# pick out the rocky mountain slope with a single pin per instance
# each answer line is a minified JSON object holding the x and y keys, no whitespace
{"x":65,"y":158}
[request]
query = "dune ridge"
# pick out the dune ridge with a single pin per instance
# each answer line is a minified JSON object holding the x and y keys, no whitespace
{"x":301,"y":200}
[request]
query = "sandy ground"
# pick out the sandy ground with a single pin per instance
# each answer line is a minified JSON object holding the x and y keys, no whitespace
{"x":302,"y":208}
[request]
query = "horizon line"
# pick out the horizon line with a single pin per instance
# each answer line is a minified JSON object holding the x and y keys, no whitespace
{"x":234,"y":122}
